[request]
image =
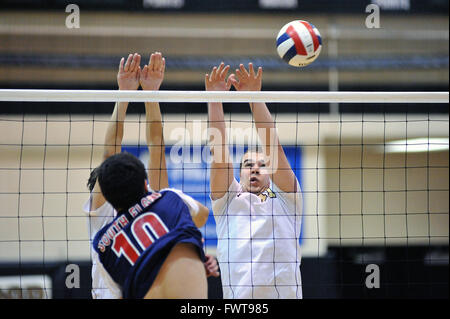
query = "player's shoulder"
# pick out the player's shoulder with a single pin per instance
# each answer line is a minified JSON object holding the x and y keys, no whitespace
{"x":170,"y":189}
{"x":169,"y":195}
{"x":235,"y":191}
{"x":173,"y":191}
{"x":177,"y":196}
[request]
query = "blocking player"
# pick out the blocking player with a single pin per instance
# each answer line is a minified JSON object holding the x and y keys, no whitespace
{"x":100,"y":211}
{"x":258,"y":219}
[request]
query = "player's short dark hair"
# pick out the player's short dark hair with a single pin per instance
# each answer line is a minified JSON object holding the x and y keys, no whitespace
{"x":92,"y":179}
{"x":122,"y":179}
{"x":251,"y":149}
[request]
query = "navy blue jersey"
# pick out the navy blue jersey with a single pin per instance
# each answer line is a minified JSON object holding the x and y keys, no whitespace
{"x":133,"y":247}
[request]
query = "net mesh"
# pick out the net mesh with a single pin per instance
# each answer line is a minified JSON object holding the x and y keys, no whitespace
{"x":374,"y":185}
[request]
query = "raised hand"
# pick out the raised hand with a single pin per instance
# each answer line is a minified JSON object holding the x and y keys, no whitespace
{"x":247,"y":80}
{"x":128,"y":75}
{"x":216,"y":80}
{"x":152,"y":74}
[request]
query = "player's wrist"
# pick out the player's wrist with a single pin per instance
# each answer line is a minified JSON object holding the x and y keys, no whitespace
{"x":128,"y":87}
{"x":150,"y":87}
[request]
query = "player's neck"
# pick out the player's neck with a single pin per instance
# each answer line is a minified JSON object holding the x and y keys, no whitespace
{"x":258,"y":192}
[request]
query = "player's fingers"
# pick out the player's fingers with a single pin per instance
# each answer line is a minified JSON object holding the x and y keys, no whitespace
{"x":144,"y":72}
{"x":219,"y":71}
{"x":243,"y":70}
{"x":122,"y":61}
{"x":128,"y":61}
{"x":214,"y":271}
{"x":158,"y":62}
{"x":138,"y":72}
{"x":127,"y":64}
{"x":231,"y":81}
{"x":259,"y":74}
{"x":137,"y":60}
{"x":151,"y":62}
{"x":239,"y":74}
{"x":212,"y":76}
{"x":210,"y":260}
{"x":251,"y":71}
{"x":224,"y":72}
{"x":155,"y":61}
{"x":211,"y":266}
{"x":163,"y":65}
{"x":133,"y":63}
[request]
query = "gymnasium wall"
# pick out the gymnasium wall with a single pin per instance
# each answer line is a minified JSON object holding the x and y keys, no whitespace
{"x":364,"y":202}
{"x":355,"y":192}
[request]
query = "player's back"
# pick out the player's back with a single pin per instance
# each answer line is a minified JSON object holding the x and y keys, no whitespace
{"x":134,"y":245}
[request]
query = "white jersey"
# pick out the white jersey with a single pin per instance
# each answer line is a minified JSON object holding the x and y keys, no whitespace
{"x":258,"y":248}
{"x":103,"y":287}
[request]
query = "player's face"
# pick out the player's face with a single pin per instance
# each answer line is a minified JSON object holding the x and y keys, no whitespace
{"x":254,"y":176}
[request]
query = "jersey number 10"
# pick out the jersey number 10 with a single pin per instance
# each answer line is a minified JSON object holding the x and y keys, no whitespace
{"x":140,"y":227}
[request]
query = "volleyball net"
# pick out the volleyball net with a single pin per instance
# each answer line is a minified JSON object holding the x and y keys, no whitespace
{"x":374,"y":183}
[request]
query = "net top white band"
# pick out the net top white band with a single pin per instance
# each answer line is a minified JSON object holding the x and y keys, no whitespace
{"x":221,"y":96}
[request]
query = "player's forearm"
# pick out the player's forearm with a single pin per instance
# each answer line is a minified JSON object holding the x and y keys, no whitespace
{"x":221,"y":171}
{"x":261,"y":115}
{"x":157,"y":171}
{"x":114,"y":132}
{"x":217,"y":132}
{"x":279,"y":168}
{"x":265,"y":125}
{"x":154,"y":127}
{"x":216,"y":116}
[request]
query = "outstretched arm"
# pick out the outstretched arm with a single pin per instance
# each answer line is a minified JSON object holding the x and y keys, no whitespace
{"x":151,"y":78}
{"x":221,"y":175}
{"x":127,"y":79}
{"x":281,"y":171}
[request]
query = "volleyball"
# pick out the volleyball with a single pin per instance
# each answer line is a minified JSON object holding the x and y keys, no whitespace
{"x":299,"y":43}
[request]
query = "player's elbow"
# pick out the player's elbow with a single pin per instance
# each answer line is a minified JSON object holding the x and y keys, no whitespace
{"x":202,"y":216}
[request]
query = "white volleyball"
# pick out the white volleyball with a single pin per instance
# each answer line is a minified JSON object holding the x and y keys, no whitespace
{"x":299,"y":43}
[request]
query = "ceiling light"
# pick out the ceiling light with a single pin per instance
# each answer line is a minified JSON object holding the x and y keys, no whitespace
{"x":416,"y":145}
